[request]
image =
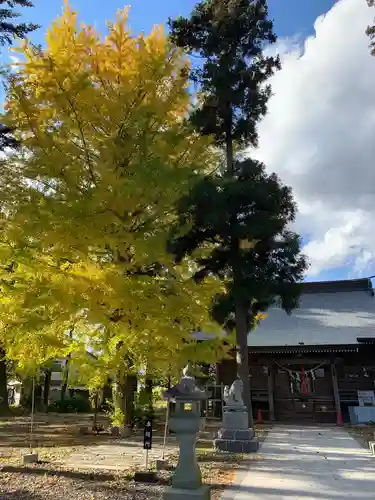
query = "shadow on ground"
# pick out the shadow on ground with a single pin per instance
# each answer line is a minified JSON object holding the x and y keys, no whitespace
{"x":59,"y":430}
{"x":19,"y":495}
{"x":40,"y":471}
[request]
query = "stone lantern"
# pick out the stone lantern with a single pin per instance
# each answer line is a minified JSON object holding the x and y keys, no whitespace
{"x":184,"y":422}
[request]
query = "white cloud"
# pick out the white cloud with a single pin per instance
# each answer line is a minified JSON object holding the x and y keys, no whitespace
{"x":319,"y":136}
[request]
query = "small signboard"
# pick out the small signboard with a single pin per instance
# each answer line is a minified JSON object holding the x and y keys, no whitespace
{"x":366,"y":398}
{"x":147,"y":435}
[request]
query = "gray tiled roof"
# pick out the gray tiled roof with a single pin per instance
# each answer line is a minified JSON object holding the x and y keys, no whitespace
{"x":322,"y":319}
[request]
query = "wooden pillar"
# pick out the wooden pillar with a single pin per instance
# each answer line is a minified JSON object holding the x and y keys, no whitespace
{"x":271,"y":400}
{"x":336,"y":393}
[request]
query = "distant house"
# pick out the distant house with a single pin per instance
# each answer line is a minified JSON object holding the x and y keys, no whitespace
{"x":56,"y":384}
{"x":57,"y":380}
{"x":311,"y":364}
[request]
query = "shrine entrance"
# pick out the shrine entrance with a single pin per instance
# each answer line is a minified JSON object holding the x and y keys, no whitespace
{"x":291,"y":386}
{"x":303,"y":390}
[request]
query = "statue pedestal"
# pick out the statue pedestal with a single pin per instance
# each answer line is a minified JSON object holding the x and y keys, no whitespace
{"x":235,"y":418}
{"x":235,"y":436}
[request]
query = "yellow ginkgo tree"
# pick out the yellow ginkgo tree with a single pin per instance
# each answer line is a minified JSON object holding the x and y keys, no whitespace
{"x":90,"y":195}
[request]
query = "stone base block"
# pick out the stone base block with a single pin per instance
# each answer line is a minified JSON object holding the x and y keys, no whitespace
{"x":236,"y":434}
{"x":235,"y":420}
{"x":202,"y":424}
{"x":30,"y":458}
{"x":145,"y":477}
{"x":371,"y":445}
{"x":161,"y":464}
{"x":202,"y":493}
{"x":249,"y":446}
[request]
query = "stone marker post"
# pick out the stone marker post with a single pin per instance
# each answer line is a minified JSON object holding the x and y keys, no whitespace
{"x":185,"y":422}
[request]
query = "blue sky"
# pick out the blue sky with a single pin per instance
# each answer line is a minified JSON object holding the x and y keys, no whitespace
{"x":291,"y":16}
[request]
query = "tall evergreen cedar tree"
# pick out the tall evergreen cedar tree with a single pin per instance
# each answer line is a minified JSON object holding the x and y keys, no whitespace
{"x":371,"y":30}
{"x":239,"y":220}
{"x":9,"y":31}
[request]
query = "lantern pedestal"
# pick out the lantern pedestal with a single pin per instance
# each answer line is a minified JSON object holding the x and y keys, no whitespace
{"x":202,"y":493}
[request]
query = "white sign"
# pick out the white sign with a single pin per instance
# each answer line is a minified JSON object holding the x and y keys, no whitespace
{"x":366,"y":398}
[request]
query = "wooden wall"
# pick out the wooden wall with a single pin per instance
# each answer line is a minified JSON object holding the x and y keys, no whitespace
{"x":319,"y":405}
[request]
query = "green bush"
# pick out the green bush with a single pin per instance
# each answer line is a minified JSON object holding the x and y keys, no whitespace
{"x":143,"y":407}
{"x":71,"y":405}
{"x":117,"y":418}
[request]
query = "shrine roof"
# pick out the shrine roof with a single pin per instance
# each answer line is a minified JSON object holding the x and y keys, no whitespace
{"x":330,"y":313}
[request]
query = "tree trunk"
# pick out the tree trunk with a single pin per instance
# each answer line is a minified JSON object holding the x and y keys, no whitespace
{"x":66,"y":370}
{"x":64,"y":386}
{"x":107,"y":395}
{"x":240,"y":307}
{"x":130,"y":389}
{"x":118,"y":391}
{"x":46,"y":388}
{"x":229,"y":153}
{"x":26,"y":389}
{"x":4,"y":405}
{"x":148,"y":389}
{"x":96,"y":409}
{"x":243,"y":371}
{"x":123,"y":399}
{"x":38,"y":392}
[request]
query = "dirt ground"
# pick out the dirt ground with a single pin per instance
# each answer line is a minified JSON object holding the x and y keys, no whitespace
{"x":362,"y":434}
{"x":56,"y":438}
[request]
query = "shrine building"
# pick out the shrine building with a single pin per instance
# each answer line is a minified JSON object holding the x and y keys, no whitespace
{"x":310,"y":365}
